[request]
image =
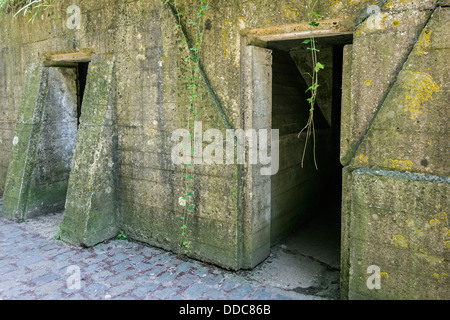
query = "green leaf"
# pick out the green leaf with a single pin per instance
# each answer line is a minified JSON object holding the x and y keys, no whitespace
{"x":306,"y":41}
{"x":318,"y":16}
{"x":319,"y":66}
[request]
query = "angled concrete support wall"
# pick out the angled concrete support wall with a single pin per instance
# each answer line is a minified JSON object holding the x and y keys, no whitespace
{"x":91,"y":211}
{"x":43,"y":144}
{"x":25,"y":142}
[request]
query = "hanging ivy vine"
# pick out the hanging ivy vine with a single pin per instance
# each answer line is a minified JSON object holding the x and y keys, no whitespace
{"x":316,"y":67}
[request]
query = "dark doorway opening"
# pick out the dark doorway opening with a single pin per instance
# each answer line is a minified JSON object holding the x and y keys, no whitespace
{"x":306,"y":202}
{"x":82,"y":71}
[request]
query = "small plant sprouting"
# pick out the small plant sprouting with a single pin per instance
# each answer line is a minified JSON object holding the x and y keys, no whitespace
{"x":58,"y":235}
{"x":121,"y":236}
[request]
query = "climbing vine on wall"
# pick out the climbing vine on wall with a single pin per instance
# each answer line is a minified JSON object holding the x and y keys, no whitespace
{"x":317,"y":66}
{"x":192,"y":47}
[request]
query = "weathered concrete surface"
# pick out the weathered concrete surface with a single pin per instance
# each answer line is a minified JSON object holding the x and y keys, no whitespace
{"x":52,"y":163}
{"x":150,"y":102}
{"x":25,"y":142}
{"x":410,"y":133}
{"x":399,"y":223}
{"x":380,"y":48}
{"x":395,"y":208}
{"x":91,"y":209}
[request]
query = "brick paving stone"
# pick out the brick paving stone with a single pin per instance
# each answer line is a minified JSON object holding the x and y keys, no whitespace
{"x":261,"y":295}
{"x":214,"y":294}
{"x":165,"y":293}
{"x":35,"y":267}
{"x":195,"y":291}
{"x":96,"y":290}
{"x":228,"y":285}
{"x":241,"y":292}
{"x":144,"y":290}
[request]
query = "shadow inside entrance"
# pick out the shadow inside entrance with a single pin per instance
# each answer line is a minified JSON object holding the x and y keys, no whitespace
{"x":306,"y":261}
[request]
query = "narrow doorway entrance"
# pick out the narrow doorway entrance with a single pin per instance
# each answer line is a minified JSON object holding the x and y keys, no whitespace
{"x":305,"y":200}
{"x":60,"y":121}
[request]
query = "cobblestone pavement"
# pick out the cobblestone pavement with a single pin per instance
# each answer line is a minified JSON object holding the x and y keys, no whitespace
{"x":33,"y":266}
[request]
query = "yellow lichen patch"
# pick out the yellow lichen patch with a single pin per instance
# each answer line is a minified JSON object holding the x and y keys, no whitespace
{"x":399,"y":164}
{"x":363,"y":158}
{"x":368,"y":83}
{"x":336,"y":7}
{"x":447,"y":245}
{"x":396,"y":23}
{"x":442,"y":215}
{"x":440,"y":277}
{"x":434,"y":222}
{"x":423,"y":43}
{"x":384,"y":275}
{"x":290,"y":13}
{"x":420,"y":88}
{"x":399,"y":241}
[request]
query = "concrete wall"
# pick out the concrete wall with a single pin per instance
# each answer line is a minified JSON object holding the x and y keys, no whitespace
{"x":56,"y":144}
{"x":394,"y":120}
{"x":396,"y":182}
